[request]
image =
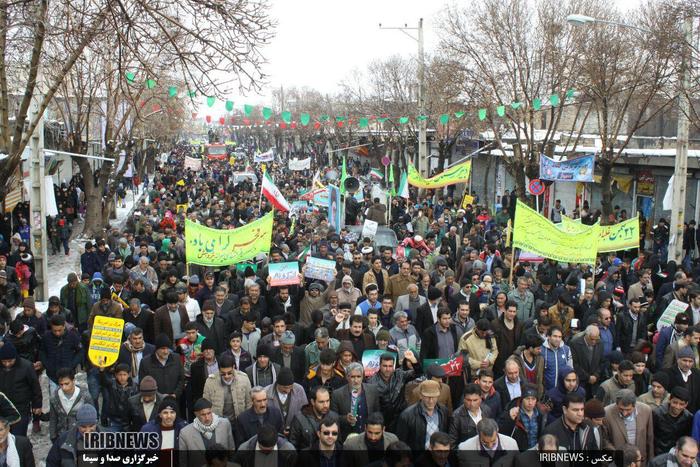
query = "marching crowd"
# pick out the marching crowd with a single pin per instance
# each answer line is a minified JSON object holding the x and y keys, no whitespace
{"x":223,"y":367}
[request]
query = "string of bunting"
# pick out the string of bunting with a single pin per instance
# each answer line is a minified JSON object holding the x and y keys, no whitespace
{"x":537,"y":104}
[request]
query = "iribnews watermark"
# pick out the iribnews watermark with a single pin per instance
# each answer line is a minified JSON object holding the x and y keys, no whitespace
{"x":579,"y":457}
{"x":121,"y":441}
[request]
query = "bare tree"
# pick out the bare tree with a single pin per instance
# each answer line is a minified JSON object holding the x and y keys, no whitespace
{"x":210,"y":44}
{"x":513,"y":52}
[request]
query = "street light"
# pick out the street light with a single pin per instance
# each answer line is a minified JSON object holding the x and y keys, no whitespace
{"x":680,"y":179}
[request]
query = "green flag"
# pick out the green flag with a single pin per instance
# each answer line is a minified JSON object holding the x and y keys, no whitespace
{"x":172,"y":91}
{"x":267,"y":113}
{"x":444,"y":118}
{"x":537,"y":103}
{"x":364,"y":122}
{"x":482,"y":114}
{"x":150,"y":83}
{"x":392,"y":189}
{"x":130,"y":77}
{"x":248,"y":109}
{"x":403,"y":120}
{"x":211,"y":100}
{"x":286,"y":116}
{"x":229,"y":106}
{"x":343,"y":176}
{"x":554,"y":100}
{"x":304,"y":119}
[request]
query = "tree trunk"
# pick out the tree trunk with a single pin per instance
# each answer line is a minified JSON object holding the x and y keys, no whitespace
{"x":93,"y":199}
{"x":487,"y":195}
{"x":606,"y":188}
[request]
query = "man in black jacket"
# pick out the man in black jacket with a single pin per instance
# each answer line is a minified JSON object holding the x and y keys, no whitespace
{"x":212,"y":327}
{"x":685,"y":363}
{"x":464,"y":418}
{"x":631,"y":326}
{"x":303,"y":429}
{"x":290,"y":356}
{"x":672,"y":420}
{"x":391,"y":384}
{"x":426,"y":314}
{"x":165,"y":367}
{"x":143,"y":406}
{"x":260,"y":414}
{"x":438,"y":346}
{"x":412,"y":425}
{"x":21,"y":385}
{"x":569,"y":429}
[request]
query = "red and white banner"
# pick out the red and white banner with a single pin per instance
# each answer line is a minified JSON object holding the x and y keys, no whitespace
{"x":273,"y":194}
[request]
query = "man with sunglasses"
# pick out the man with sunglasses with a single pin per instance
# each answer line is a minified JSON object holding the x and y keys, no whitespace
{"x":326,"y":449}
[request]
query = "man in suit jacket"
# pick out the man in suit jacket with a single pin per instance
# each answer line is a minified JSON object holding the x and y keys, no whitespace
{"x":411,"y":299}
{"x":685,"y":363}
{"x":426,"y":314}
{"x":249,"y":421}
{"x":587,"y":354}
{"x":619,"y":418}
{"x":162,"y":323}
{"x":287,"y":355}
{"x":354,"y":416}
{"x":430,"y":345}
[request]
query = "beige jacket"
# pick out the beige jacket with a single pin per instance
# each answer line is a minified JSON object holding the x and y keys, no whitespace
{"x":477,"y":350}
{"x":240,"y":392}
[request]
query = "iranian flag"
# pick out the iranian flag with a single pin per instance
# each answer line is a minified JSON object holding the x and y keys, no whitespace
{"x":376,"y":174}
{"x":452,"y":366}
{"x":273,"y":194}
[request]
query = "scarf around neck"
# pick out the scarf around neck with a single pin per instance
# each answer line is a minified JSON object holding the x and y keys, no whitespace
{"x":207,"y":431}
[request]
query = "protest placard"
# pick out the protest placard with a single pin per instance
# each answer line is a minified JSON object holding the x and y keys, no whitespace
{"x":105,"y":340}
{"x":369,"y":229}
{"x":317,"y":268}
{"x":669,"y":314}
{"x":283,"y":273}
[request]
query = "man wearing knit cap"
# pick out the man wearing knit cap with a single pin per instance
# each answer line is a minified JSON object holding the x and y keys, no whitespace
{"x":684,"y":374}
{"x":142,"y":406}
{"x":671,"y":421}
{"x":20,"y":384}
{"x":657,"y":395}
{"x":287,"y":396}
{"x":67,"y":447}
{"x":287,"y":355}
{"x":207,"y":430}
{"x":594,"y":412}
{"x":263,"y":372}
{"x":168,"y":426}
{"x":419,"y":421}
{"x":165,"y":367}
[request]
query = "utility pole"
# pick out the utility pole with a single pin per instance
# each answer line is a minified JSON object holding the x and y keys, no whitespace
{"x":422,"y":162}
{"x":38,"y":205}
{"x":680,"y":179}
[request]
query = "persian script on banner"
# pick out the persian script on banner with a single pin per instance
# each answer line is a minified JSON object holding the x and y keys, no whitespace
{"x":193,"y":164}
{"x":457,"y":174}
{"x":536,"y":234}
{"x":214,"y":247}
{"x":267,"y":156}
{"x":300,"y":164}
{"x":621,"y":236}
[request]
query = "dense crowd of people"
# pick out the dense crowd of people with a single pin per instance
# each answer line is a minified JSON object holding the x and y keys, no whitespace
{"x":221,"y":366}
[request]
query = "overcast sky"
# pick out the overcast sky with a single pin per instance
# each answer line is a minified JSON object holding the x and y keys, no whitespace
{"x":319,"y":42}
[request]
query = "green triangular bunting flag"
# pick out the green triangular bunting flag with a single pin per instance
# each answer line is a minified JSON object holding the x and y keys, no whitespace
{"x":211,"y":100}
{"x":554,"y":100}
{"x":403,"y":120}
{"x":444,"y":118}
{"x":266,"y":113}
{"x":150,"y":83}
{"x":304,"y":119}
{"x":364,"y":122}
{"x":501,"y":110}
{"x":482,"y":114}
{"x":130,"y":77}
{"x":172,"y":91}
{"x":229,"y":106}
{"x":537,"y":103}
{"x":248,"y":109}
{"x":286,"y":116}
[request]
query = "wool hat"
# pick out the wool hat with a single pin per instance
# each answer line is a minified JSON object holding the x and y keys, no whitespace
{"x":148,"y":385}
{"x":661,"y":378}
{"x":681,"y":393}
{"x":316,"y":286}
{"x":28,"y":302}
{"x":285,"y":377}
{"x":594,"y":409}
{"x":167,"y":403}
{"x":201,"y":404}
{"x":435,"y":371}
{"x":105,"y":293}
{"x":8,"y":351}
{"x":163,"y":341}
{"x":434,"y":293}
{"x":429,"y":388}
{"x":111,"y":257}
{"x":288,"y":338}
{"x":263,"y":351}
{"x":383,"y":335}
{"x":194,"y":279}
{"x":615,"y":357}
{"x":529,"y":391}
{"x":686,"y":352}
{"x":208,"y":344}
{"x":681,"y":318}
{"x":86,"y":416}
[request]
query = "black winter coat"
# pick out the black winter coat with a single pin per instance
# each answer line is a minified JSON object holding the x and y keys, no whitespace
{"x":117,"y":407}
{"x":412,"y":425}
{"x":169,"y":377}
{"x":21,"y":386}
{"x":668,"y":429}
{"x":60,"y":352}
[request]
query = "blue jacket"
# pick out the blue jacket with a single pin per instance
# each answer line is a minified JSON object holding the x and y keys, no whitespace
{"x":696,"y":427}
{"x":554,"y":362}
{"x":663,"y":342}
{"x":154,"y":427}
{"x":60,"y":352}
